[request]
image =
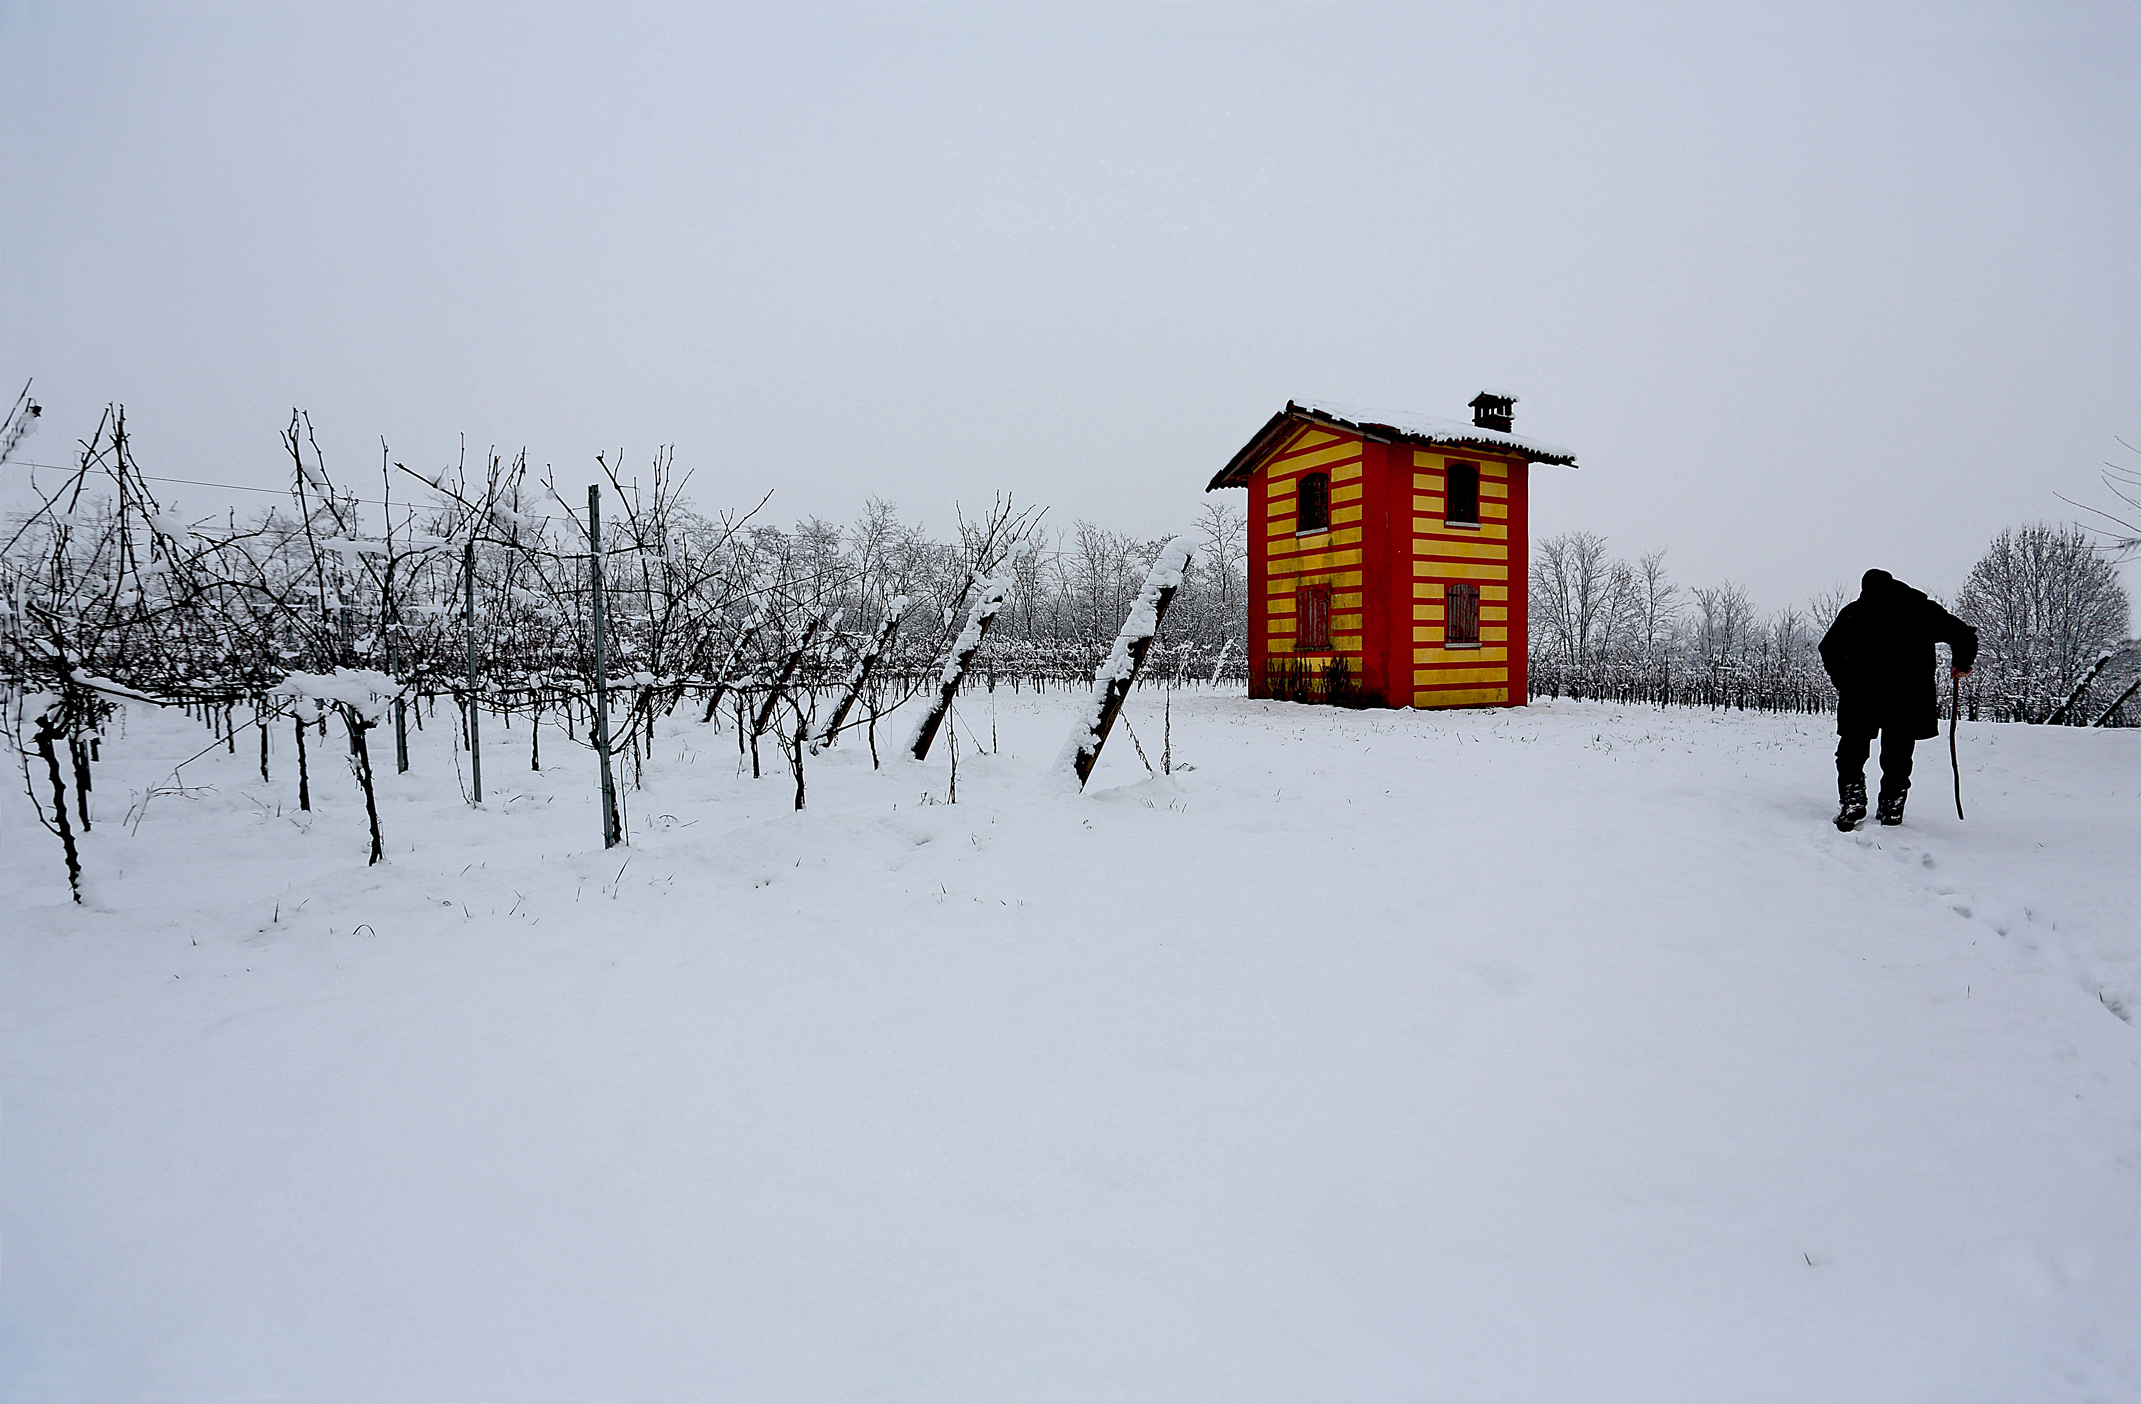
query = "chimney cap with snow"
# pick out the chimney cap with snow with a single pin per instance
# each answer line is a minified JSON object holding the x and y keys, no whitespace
{"x":1493,"y":411}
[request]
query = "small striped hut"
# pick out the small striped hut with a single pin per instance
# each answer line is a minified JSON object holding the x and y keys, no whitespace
{"x":1387,"y":555}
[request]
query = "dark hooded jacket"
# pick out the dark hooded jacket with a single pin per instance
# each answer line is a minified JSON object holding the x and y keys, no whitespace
{"x":1879,"y":653}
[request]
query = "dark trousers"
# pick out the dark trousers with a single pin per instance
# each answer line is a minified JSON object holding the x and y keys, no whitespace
{"x":1851,"y":752}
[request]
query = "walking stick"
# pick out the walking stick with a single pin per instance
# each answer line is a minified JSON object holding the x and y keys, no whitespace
{"x":1955,"y":707}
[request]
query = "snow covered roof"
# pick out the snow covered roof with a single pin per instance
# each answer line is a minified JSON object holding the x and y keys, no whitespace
{"x":1383,"y":426}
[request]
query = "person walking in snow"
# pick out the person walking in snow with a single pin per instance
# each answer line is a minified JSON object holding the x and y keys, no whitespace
{"x":1879,"y":653}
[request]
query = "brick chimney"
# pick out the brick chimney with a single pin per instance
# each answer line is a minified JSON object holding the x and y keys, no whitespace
{"x":1492,"y":411}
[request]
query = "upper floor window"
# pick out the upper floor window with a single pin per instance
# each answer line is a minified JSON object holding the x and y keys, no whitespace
{"x":1461,"y":502}
{"x":1460,"y":616}
{"x":1315,"y":503}
{"x":1312,"y":618}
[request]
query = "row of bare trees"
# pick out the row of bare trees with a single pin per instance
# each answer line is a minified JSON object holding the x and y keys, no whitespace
{"x":2047,"y":604}
{"x":1622,"y":630}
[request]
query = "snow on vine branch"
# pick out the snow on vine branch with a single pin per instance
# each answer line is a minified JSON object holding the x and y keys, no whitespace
{"x":1112,"y":679}
{"x":365,"y":691}
{"x":993,"y":595}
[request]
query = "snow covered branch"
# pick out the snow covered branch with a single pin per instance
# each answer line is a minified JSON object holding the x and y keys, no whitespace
{"x":994,"y":595}
{"x":1112,"y":679}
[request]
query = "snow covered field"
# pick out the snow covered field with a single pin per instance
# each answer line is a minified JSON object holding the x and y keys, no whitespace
{"x":1563,"y":1053}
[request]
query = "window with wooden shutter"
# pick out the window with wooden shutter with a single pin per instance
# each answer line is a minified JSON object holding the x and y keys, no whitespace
{"x":1461,"y":504}
{"x":1314,"y":504}
{"x":1312,"y":618}
{"x":1460,"y":616}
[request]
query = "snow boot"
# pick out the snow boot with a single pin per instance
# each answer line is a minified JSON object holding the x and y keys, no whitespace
{"x":1851,"y":797}
{"x":1890,"y":811}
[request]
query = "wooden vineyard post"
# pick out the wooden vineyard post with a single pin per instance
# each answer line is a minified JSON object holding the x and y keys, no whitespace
{"x":1112,"y":679}
{"x":468,"y":620}
{"x":610,"y":835}
{"x":789,"y":664}
{"x":2062,"y":715}
{"x":861,"y":676}
{"x":401,"y":706}
{"x":304,"y":780}
{"x":2104,"y":717}
{"x":994,"y":594}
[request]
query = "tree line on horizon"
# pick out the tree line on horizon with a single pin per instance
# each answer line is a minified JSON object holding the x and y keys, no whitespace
{"x":2050,"y":613}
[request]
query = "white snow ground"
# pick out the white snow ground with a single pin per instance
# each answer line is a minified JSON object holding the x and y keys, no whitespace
{"x":1563,"y":1053}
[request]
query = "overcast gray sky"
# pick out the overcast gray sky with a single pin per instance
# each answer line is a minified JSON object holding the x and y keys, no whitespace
{"x":1808,"y":289}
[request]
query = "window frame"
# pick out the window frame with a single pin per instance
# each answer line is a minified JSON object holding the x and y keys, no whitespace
{"x":1312,"y":604}
{"x":1301,"y":500}
{"x":1460,"y":607}
{"x":1450,"y":476}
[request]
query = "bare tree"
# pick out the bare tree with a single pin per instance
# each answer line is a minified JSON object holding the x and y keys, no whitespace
{"x":1582,"y":601}
{"x":1720,"y":628}
{"x":1224,"y":530}
{"x":1658,"y":603}
{"x":1821,"y":611}
{"x":2045,"y":604}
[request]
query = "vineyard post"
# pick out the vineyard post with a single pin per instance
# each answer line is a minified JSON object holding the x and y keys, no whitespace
{"x":994,"y":595}
{"x":304,"y":778}
{"x":610,"y":836}
{"x":2104,"y":717}
{"x":401,"y":708}
{"x":468,"y":620}
{"x":860,"y":678}
{"x":1112,"y":680}
{"x":2063,"y":713}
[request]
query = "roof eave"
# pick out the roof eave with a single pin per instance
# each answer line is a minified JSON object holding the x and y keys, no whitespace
{"x":1244,"y":464}
{"x":1391,"y":434}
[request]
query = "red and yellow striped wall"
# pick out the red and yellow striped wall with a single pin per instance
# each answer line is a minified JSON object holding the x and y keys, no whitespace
{"x":1290,"y":560}
{"x":1442,"y":555}
{"x":1387,"y":557}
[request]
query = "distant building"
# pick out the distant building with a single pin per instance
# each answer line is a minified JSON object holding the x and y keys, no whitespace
{"x":1387,"y":555}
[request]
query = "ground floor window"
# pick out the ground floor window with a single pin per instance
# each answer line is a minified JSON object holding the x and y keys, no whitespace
{"x":1312,"y":618}
{"x":1460,"y":616}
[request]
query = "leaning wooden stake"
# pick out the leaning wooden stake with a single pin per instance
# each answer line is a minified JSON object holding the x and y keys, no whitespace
{"x":2103,"y":718}
{"x":2063,"y":713}
{"x":793,"y":661}
{"x":1112,"y":679}
{"x":994,"y":595}
{"x":860,"y":677}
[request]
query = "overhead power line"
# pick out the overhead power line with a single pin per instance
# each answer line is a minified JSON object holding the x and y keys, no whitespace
{"x":195,"y":482}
